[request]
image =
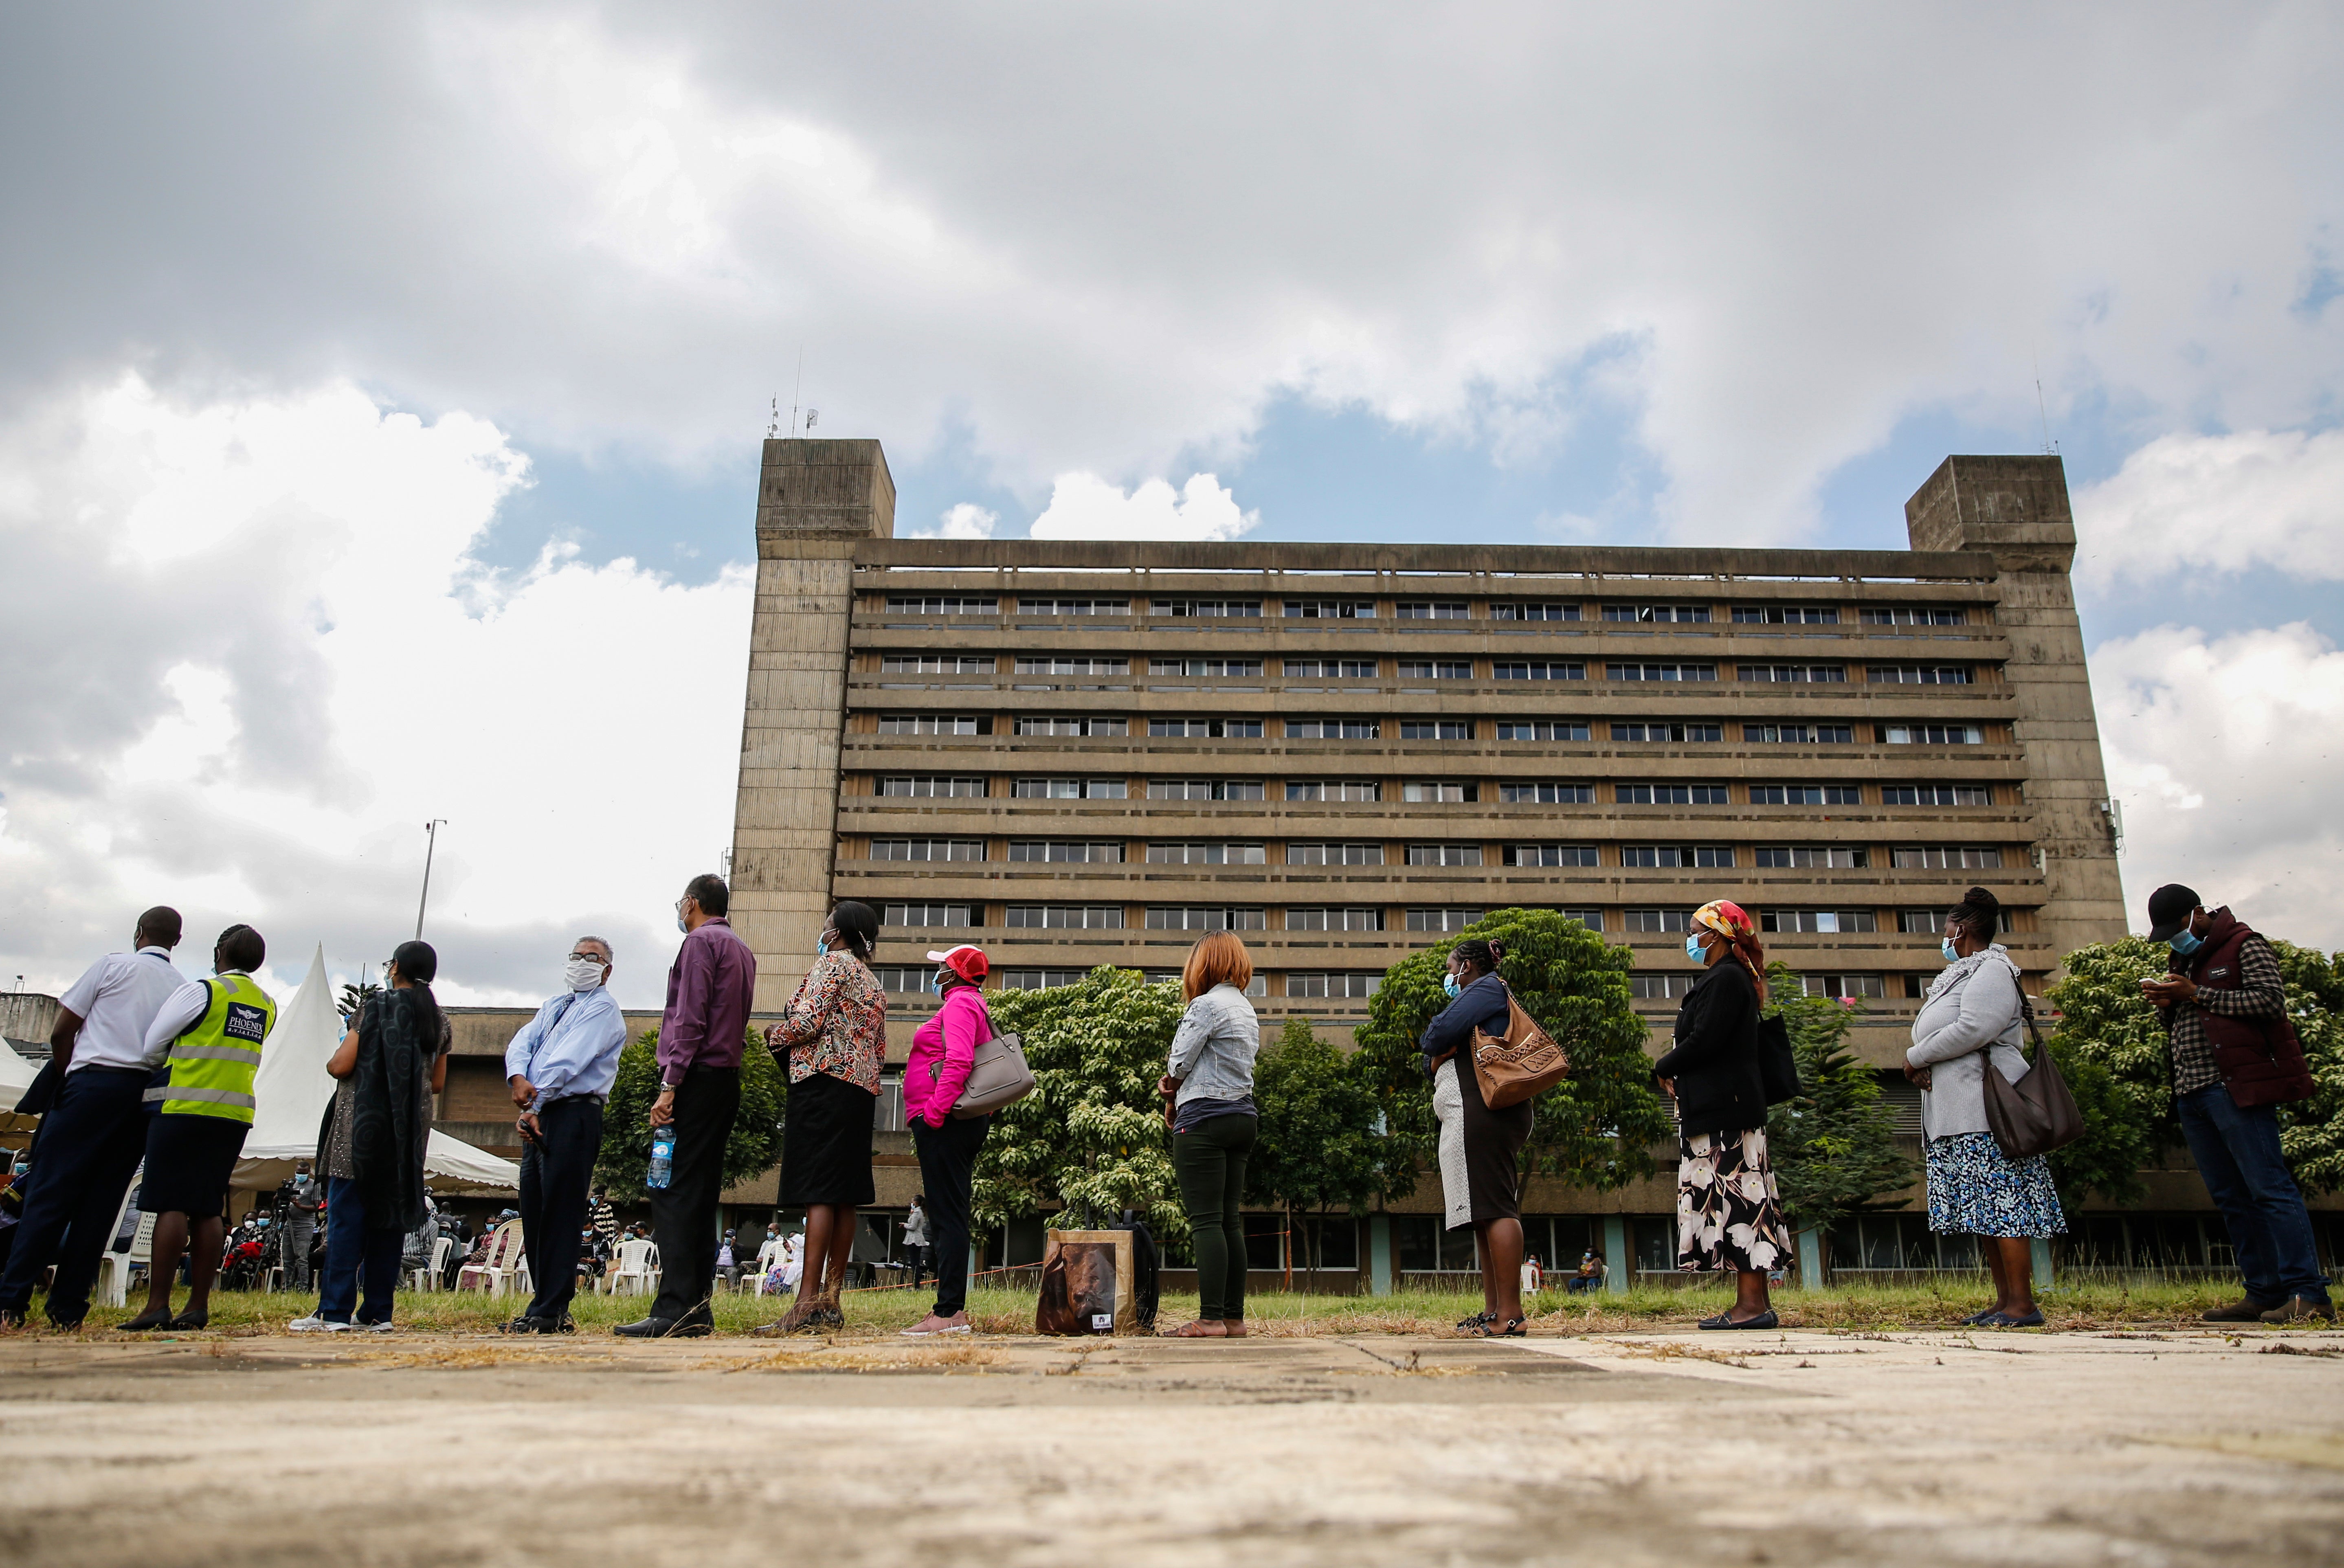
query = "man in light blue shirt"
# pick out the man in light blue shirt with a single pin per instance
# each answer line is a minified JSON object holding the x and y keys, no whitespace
{"x":560,"y":1067}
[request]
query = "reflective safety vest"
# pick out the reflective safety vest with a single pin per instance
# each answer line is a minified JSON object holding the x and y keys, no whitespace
{"x":213,"y":1063}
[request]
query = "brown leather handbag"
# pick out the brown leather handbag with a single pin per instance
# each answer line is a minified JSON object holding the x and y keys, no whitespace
{"x":1522,"y":1064}
{"x":2037,"y":1114}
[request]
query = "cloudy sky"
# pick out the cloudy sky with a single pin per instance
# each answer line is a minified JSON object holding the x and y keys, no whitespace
{"x":380,"y":387}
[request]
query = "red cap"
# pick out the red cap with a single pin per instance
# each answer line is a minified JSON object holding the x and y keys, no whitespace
{"x":968,"y":963}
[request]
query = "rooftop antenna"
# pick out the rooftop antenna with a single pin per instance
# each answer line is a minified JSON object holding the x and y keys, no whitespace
{"x":795,"y":387}
{"x":774,"y":424}
{"x":432,"y":842}
{"x":2042,"y":411}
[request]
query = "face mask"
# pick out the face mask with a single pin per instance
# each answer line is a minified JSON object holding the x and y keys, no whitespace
{"x":681,"y":926}
{"x":1694,"y":949}
{"x":1945,"y":945}
{"x":1448,"y":984}
{"x":582,"y":974}
{"x":821,"y":949}
{"x":2185,"y":941}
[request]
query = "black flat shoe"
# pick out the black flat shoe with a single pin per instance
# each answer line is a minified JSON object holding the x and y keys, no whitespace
{"x":1478,"y":1321}
{"x":645,"y":1329}
{"x":525,"y":1324}
{"x":1511,"y":1328}
{"x":152,"y":1318}
{"x":189,"y":1322}
{"x":2005,"y":1321}
{"x":1765,"y":1320}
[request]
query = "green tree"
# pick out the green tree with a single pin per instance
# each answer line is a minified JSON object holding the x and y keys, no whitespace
{"x":355,"y":996}
{"x":1319,"y":1148}
{"x":2312,"y":1131}
{"x":1597,"y":1128}
{"x":2111,"y":1049}
{"x":1090,"y":1139}
{"x":754,"y":1147}
{"x":1834,"y":1147}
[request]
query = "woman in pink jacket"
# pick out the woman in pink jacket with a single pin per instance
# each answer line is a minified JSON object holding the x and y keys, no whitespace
{"x":942,"y":1051}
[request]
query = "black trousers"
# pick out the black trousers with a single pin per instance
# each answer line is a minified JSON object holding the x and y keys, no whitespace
{"x":91,"y":1141}
{"x":556,"y":1178}
{"x":947,"y":1170}
{"x":683,"y":1214}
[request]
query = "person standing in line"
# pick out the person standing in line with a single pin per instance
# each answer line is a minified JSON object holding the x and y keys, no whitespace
{"x":560,"y":1067}
{"x":1729,"y":1214}
{"x":915,"y":1223}
{"x":300,"y":1226}
{"x":602,"y":1217}
{"x":1215,"y":1124}
{"x":94,"y":1130}
{"x":211,"y":1034}
{"x":943,"y":1048}
{"x":1481,"y":1149}
{"x":2236,"y":1060}
{"x":831,"y":1038}
{"x":388,"y":1065}
{"x":709,"y":988}
{"x":1973,"y":1014}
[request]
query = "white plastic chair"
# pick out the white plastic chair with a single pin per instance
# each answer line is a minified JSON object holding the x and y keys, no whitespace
{"x":428,"y":1278}
{"x":502,"y":1264}
{"x":635,"y":1272}
{"x":113,"y":1269}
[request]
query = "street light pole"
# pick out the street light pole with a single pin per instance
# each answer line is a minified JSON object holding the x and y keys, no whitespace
{"x":432,"y":842}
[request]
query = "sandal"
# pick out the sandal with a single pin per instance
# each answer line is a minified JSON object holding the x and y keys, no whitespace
{"x":1765,"y":1320}
{"x":1236,"y":1326}
{"x":2005,"y":1321}
{"x":1478,"y":1321}
{"x":796,"y":1320}
{"x":1202,"y":1328}
{"x":1511,"y":1328}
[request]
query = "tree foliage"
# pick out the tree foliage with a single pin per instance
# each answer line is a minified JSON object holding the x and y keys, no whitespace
{"x":754,"y":1147}
{"x":2312,"y":1131}
{"x":1834,"y":1147}
{"x":1090,"y":1139}
{"x":1321,"y":1149}
{"x":1595,"y":1129}
{"x":355,"y":998}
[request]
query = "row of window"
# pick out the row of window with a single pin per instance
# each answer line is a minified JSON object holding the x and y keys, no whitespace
{"x":1777,"y":857}
{"x":1368,"y":917}
{"x":1427,"y":609}
{"x":1427,"y":669}
{"x":923,"y":787}
{"x":1351,"y":728}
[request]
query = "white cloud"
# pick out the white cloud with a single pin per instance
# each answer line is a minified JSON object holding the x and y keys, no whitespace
{"x":2216,"y":503}
{"x":251,"y":658}
{"x":965,"y":521}
{"x":2226,"y":754}
{"x":1084,"y":506}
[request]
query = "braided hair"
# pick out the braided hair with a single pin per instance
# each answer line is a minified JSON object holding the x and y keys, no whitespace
{"x":1480,"y":953}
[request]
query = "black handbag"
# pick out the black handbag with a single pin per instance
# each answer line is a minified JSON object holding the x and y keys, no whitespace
{"x":1778,"y":1064}
{"x":2037,"y":1114}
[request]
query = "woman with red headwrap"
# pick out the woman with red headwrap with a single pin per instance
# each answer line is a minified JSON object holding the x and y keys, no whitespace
{"x":1729,"y":1216}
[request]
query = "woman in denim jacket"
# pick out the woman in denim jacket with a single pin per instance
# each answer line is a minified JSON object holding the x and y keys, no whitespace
{"x":1209,"y":1081}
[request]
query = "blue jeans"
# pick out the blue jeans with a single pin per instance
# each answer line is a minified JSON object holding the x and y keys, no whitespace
{"x":2237,"y":1153}
{"x":354,"y":1257}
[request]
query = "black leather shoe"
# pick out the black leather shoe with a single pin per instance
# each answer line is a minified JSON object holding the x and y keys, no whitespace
{"x":189,"y":1322}
{"x":1765,"y":1320}
{"x":645,"y":1329}
{"x":525,"y":1324}
{"x":152,"y":1318}
{"x":2248,"y":1309}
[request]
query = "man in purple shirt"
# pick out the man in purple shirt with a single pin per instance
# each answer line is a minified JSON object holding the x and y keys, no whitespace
{"x":700,"y":1040}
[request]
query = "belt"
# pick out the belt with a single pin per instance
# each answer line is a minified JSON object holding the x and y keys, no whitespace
{"x":566,"y":1099}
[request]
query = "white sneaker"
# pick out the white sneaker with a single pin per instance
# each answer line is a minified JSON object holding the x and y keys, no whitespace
{"x":382,"y":1328}
{"x":314,"y":1324}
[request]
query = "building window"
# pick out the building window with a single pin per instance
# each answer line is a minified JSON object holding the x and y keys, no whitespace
{"x":1330,"y":608}
{"x":1067,"y":725}
{"x":1806,"y":795}
{"x":1431,"y":610}
{"x":1819,"y":856}
{"x":1938,"y":615}
{"x":1788,"y":673}
{"x":934,"y":664}
{"x":1330,"y":919}
{"x":905,"y":979}
{"x":1533,"y":610}
{"x":1844,"y":987}
{"x":920,"y":786}
{"x":1224,"y":607}
{"x":1333,"y":729}
{"x":1207,"y":729}
{"x":1656,"y":613}
{"x":1819,"y":921}
{"x":1334,"y":854}
{"x":1068,"y":789}
{"x":1541,"y":729}
{"x":1444,"y":854}
{"x":1798,"y":735}
{"x":1670,"y":794}
{"x":1334,"y":789}
{"x":1932,"y":735}
{"x":1204,"y":789}
{"x":1330,"y":669}
{"x":1205,"y":854}
{"x":1591,"y":918}
{"x":1433,"y":791}
{"x":1436,"y":729}
{"x":1658,"y":987}
{"x":1945,"y":857}
{"x":1243,"y":668}
{"x":1785,"y":616}
{"x":1550,"y":854}
{"x":1547,"y":794}
{"x":1076,"y":851}
{"x":1040,"y":979}
{"x":1190,"y":917}
{"x":1929,"y":921}
{"x":1066,"y":917}
{"x":1059,"y":664}
{"x":1676,"y":854}
{"x":927,"y":914}
{"x":1073,"y":606}
{"x":1918,"y":674}
{"x":1643,"y":920}
{"x":1660,"y":672}
{"x":1936,"y":794}
{"x":944,"y":605}
{"x":928,"y":849}
{"x":1667,"y":735}
{"x":1536,"y":670}
{"x":1441,"y":920}
{"x":1354,"y":986}
{"x":1436,"y":668}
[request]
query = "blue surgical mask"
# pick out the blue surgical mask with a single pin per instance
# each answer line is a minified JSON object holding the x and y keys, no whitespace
{"x":1694,"y":949}
{"x":1448,"y":984}
{"x":1945,"y":945}
{"x":681,"y":926}
{"x":2185,"y":941}
{"x":821,"y":948}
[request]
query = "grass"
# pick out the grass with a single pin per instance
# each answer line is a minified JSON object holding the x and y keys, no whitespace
{"x":1856,"y":1308}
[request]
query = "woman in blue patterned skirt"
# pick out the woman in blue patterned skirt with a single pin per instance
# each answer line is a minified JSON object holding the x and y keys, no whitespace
{"x":1972,"y":1012}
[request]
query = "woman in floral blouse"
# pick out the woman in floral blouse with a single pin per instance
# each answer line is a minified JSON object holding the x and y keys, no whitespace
{"x":831,"y":1036}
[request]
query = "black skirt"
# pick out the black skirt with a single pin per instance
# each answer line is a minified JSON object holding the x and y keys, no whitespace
{"x":189,"y":1161}
{"x":1493,"y":1147}
{"x":826,"y":1143}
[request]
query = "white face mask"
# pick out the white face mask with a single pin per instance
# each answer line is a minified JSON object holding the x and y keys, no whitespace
{"x":582,"y":974}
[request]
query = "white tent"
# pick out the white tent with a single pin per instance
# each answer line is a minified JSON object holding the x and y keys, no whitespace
{"x":293,"y":1088}
{"x":16,"y":1076}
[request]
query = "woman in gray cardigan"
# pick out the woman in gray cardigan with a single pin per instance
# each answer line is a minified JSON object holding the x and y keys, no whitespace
{"x":1208,"y":1082}
{"x":1972,"y":1014}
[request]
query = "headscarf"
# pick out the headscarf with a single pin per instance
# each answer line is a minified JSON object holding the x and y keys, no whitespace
{"x":1730,"y":921}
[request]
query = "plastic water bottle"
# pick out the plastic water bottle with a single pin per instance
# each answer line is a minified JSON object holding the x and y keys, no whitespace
{"x":663,"y":1159}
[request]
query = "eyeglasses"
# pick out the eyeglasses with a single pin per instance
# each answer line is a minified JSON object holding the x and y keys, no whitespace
{"x":576,"y":953}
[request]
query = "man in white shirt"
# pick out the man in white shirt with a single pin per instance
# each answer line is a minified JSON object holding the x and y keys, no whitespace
{"x":95,"y":1131}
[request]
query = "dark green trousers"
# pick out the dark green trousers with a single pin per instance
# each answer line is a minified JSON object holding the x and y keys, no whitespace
{"x":1210,"y":1163}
